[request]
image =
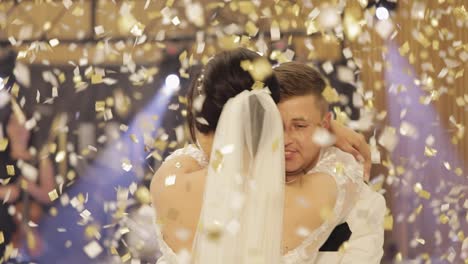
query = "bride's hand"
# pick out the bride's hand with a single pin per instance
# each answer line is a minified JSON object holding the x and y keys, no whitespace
{"x":354,"y":143}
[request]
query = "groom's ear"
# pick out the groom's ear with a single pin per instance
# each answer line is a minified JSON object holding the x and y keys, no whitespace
{"x":326,"y":121}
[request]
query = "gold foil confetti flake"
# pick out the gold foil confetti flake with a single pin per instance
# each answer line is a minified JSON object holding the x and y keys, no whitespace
{"x":217,"y":160}
{"x":114,"y":251}
{"x":330,"y":94}
{"x":92,"y":249}
{"x":339,"y":168}
{"x":126,"y":257}
{"x":53,"y":211}
{"x":96,"y":78}
{"x":229,"y":42}
{"x":143,"y":195}
{"x":458,"y":171}
{"x":444,"y":219}
{"x":2,"y":238}
{"x":170,"y":180}
{"x":424,"y":194}
{"x":404,"y":49}
{"x":213,"y":230}
{"x":352,"y":27}
{"x":246,"y":7}
{"x":429,"y":152}
{"x":326,"y":213}
{"x":100,"y":106}
{"x":341,"y":116}
{"x":275,"y":145}
{"x":10,"y":170}
{"x":311,"y":27}
{"x":418,"y":209}
{"x":5,"y":182}
{"x":3,"y":144}
{"x":126,"y":165}
{"x":399,"y":257}
{"x":259,"y":69}
{"x":258,"y":85}
{"x":388,"y":222}
{"x":53,"y":195}
{"x":251,"y":29}
{"x":460,"y":13}
{"x":134,"y":138}
{"x":92,"y":231}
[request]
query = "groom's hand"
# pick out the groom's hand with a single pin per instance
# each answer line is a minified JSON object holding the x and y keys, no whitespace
{"x":354,"y":143}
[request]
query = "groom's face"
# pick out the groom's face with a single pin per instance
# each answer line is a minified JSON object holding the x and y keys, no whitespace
{"x":301,"y":117}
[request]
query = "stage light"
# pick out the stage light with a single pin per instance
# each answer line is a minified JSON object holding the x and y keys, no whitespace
{"x":382,"y":13}
{"x":172,"y":83}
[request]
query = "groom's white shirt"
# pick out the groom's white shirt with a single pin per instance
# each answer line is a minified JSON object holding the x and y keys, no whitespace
{"x":365,"y":246}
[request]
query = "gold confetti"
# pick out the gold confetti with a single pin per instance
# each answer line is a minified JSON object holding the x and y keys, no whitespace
{"x":10,"y":170}
{"x":3,"y":144}
{"x":2,"y":238}
{"x":100,"y":106}
{"x":429,"y":152}
{"x":330,"y":94}
{"x":217,"y":160}
{"x":96,"y":79}
{"x":259,"y":69}
{"x":388,"y":222}
{"x":126,"y":257}
{"x":460,"y":13}
{"x":251,"y":29}
{"x":404,"y":49}
{"x":53,"y":195}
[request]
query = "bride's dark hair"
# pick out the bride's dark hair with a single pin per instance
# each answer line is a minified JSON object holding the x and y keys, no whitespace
{"x":221,"y":79}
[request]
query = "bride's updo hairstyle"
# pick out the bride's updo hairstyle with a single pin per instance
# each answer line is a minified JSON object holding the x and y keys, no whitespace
{"x":221,"y":79}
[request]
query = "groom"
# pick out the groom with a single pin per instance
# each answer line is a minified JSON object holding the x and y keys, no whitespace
{"x":301,"y":92}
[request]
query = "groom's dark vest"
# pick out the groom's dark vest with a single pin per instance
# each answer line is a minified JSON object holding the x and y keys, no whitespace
{"x":340,"y":234}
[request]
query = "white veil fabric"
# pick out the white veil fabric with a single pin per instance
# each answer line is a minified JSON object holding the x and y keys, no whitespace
{"x":241,"y":220}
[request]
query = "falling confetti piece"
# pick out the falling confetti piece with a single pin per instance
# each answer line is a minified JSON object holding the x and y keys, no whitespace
{"x":53,"y":195}
{"x":170,"y":180}
{"x":93,"y":249}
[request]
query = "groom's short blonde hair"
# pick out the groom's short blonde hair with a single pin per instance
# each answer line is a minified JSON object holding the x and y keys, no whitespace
{"x":299,"y":79}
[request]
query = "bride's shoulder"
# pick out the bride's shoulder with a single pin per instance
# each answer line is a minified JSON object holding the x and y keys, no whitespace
{"x":182,"y":162}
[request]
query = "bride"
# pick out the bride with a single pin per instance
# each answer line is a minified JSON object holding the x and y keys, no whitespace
{"x":223,"y":201}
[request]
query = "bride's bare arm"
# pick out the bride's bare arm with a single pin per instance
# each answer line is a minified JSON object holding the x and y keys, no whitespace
{"x":176,"y":193}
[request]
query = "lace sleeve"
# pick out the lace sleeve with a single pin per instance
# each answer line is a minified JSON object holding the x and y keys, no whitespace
{"x":348,"y":176}
{"x":192,"y":151}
